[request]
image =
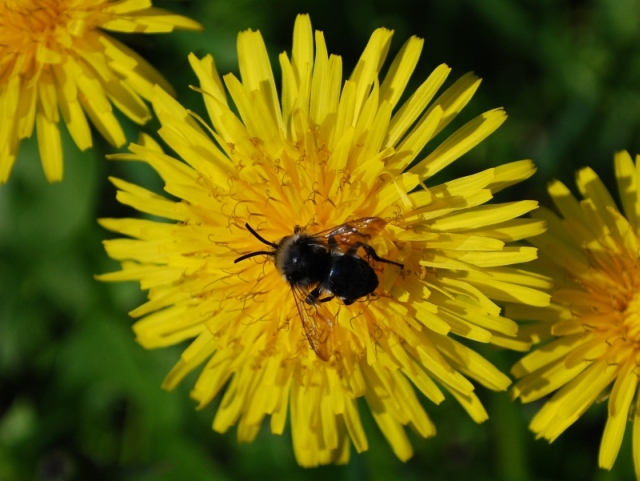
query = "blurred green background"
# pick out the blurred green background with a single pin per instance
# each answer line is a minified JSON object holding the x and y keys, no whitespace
{"x":80,"y":400}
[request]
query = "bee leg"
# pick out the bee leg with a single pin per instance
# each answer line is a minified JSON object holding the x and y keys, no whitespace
{"x":333,"y":245}
{"x":313,"y":296}
{"x":371,"y":252}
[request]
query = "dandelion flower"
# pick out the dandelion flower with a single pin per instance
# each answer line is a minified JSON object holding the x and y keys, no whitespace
{"x":592,"y":326}
{"x":56,"y":60}
{"x":321,"y":154}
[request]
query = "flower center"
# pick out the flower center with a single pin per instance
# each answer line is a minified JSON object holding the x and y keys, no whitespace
{"x":623,"y":291}
{"x":291,"y":188}
{"x":27,"y":25}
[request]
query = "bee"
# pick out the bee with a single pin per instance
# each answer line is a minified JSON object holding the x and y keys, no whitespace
{"x":323,"y":266}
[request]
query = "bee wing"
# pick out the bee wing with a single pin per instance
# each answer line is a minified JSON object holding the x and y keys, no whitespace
{"x":317,"y":322}
{"x":347,"y":234}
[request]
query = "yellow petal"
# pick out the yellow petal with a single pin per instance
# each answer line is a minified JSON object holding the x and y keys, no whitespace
{"x":400,"y":71}
{"x":455,"y":98}
{"x":473,"y":364}
{"x":623,"y":392}
{"x":256,"y":72}
{"x":50,"y":147}
{"x":628,"y":187}
{"x":460,"y":142}
{"x":547,"y":354}
{"x":413,"y":143}
{"x":325,"y":85}
{"x":509,"y":174}
{"x":636,"y":438}
{"x":482,"y":216}
{"x":366,"y":70}
{"x":412,"y":108}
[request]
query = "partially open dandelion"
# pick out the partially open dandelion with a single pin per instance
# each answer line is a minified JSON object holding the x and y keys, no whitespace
{"x":322,"y":154}
{"x":593,"y":323}
{"x":56,"y":60}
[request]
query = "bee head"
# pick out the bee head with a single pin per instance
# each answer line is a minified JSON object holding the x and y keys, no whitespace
{"x":301,"y":261}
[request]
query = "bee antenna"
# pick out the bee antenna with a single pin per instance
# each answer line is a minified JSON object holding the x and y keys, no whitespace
{"x":253,"y":254}
{"x":260,"y":238}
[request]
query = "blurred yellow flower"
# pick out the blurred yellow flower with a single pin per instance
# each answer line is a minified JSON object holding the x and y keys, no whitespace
{"x":56,"y":59}
{"x":592,"y":326}
{"x":322,"y":154}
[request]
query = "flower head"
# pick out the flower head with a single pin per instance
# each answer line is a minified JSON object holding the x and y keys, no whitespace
{"x":322,"y":154}
{"x":592,"y":326}
{"x":56,"y":60}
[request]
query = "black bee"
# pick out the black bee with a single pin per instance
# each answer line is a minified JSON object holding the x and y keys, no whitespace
{"x":325,"y":264}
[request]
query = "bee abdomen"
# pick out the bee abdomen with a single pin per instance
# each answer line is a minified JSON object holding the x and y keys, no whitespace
{"x":351,"y":278}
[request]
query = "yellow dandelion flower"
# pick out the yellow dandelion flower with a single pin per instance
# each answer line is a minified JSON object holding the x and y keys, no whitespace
{"x":325,"y":154}
{"x":593,"y":323}
{"x":56,"y":60}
